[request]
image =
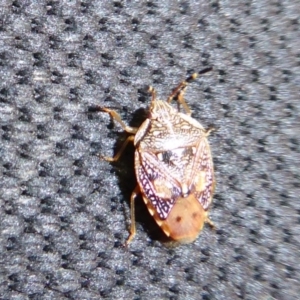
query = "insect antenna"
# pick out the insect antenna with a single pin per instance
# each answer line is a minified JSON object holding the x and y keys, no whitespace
{"x":181,"y":87}
{"x":205,"y":70}
{"x":152,"y":91}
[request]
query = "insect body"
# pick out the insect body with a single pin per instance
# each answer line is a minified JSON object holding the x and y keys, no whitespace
{"x":173,"y":166}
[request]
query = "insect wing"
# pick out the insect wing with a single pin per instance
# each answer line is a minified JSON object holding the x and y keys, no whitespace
{"x":203,"y":174}
{"x":156,"y":184}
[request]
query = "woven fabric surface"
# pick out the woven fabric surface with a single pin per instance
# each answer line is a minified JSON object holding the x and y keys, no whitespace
{"x":64,"y":212}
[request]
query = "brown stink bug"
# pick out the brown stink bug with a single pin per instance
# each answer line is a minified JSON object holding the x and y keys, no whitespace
{"x":173,"y":166}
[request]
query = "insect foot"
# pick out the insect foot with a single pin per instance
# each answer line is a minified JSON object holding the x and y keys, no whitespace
{"x":173,"y":166}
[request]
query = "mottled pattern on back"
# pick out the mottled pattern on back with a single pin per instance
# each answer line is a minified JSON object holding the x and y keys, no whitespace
{"x":170,"y":130}
{"x":204,"y":163}
{"x":173,"y":168}
{"x":146,"y":173}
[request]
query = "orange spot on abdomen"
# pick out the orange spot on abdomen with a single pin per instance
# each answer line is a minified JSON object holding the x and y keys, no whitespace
{"x":185,"y":220}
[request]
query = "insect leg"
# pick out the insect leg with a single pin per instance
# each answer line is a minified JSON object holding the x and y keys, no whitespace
{"x":135,"y":192}
{"x":117,"y":156}
{"x":210,"y":222}
{"x":117,"y":117}
{"x":209,"y":130}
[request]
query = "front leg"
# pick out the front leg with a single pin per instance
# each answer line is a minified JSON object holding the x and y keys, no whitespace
{"x":116,"y":116}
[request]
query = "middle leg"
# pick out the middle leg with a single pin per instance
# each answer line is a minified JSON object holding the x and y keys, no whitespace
{"x":119,"y":153}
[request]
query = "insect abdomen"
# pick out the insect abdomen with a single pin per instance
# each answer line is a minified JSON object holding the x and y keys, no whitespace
{"x":185,"y":220}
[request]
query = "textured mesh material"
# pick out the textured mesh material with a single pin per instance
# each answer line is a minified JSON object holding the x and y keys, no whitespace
{"x":65,"y":213}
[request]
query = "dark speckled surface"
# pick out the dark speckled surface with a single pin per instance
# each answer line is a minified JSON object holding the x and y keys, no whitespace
{"x":64,"y":213}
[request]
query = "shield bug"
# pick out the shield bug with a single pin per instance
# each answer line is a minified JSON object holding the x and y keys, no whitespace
{"x":173,"y":166}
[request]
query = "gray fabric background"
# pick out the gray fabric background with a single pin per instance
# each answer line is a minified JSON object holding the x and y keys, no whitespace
{"x":65,"y":213}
